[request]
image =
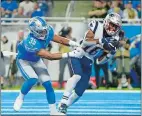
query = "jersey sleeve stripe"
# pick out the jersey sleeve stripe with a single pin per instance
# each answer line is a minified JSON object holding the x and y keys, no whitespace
{"x":95,"y":27}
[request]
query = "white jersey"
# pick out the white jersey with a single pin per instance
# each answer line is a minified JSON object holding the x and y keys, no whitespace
{"x":95,"y":50}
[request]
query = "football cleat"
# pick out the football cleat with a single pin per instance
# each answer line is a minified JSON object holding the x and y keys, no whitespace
{"x":63,"y":108}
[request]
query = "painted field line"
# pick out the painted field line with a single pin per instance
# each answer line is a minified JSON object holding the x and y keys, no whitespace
{"x":36,"y":100}
{"x":131,"y":107}
{"x":73,"y":113}
{"x":74,"y":110}
{"x":87,"y":91}
{"x":89,"y":102}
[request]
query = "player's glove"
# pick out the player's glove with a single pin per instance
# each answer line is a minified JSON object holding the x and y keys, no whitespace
{"x":74,"y":44}
{"x":110,"y":44}
{"x":103,"y":59}
{"x":77,"y":53}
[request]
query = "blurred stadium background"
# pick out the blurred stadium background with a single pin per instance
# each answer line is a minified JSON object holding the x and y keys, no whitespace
{"x":74,"y":14}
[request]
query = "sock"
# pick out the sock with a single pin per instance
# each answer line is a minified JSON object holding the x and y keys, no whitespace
{"x":52,"y":108}
{"x":71,"y":83}
{"x":21,"y":96}
{"x":72,"y":99}
{"x":49,"y":92}
{"x":28,"y":84}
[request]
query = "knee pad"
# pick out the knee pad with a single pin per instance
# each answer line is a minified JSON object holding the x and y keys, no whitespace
{"x":48,"y":86}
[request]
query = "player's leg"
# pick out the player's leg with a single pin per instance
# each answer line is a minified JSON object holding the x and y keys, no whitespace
{"x":30,"y":80}
{"x":127,"y":72}
{"x":42,"y":72}
{"x":71,"y":83}
{"x":119,"y":70}
{"x":83,"y":83}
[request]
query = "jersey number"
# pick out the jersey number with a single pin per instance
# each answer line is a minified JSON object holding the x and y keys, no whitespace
{"x":32,"y":41}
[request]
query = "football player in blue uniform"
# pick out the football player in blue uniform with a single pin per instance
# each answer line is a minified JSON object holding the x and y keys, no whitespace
{"x":29,"y":60}
{"x":100,"y":42}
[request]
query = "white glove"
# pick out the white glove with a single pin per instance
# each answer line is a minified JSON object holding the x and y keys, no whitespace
{"x":77,"y":53}
{"x":73,"y":44}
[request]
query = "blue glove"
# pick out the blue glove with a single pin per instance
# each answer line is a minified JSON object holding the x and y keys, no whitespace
{"x":110,"y":44}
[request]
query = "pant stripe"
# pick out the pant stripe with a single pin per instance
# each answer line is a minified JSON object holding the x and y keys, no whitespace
{"x":71,"y":66}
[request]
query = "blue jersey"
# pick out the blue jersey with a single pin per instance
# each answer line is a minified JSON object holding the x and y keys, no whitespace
{"x":28,"y":48}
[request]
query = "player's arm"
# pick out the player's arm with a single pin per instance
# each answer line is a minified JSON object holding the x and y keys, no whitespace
{"x":47,"y":55}
{"x":90,"y":34}
{"x":64,"y":41}
{"x":89,"y":37}
{"x":78,"y":53}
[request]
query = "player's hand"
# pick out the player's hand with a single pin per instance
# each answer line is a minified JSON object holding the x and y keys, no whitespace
{"x":103,"y":59}
{"x":78,"y":52}
{"x":74,"y":44}
{"x":110,"y":44}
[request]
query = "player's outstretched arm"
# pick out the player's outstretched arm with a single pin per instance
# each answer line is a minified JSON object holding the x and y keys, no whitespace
{"x":77,"y":53}
{"x":65,"y":41}
{"x":47,"y":55}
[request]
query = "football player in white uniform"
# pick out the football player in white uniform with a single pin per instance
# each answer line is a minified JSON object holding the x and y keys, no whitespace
{"x":100,"y":42}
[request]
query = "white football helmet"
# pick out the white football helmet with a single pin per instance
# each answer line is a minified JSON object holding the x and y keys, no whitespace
{"x":112,"y":23}
{"x":38,"y":27}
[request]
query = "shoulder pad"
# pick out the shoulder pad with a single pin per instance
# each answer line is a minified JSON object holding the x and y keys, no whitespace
{"x":93,"y":25}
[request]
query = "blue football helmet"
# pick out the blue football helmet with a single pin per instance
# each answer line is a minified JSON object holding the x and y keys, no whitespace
{"x":38,"y":27}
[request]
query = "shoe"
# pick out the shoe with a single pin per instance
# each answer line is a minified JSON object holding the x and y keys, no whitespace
{"x":63,"y":108}
{"x":119,"y":87}
{"x":130,"y":87}
{"x":18,"y":104}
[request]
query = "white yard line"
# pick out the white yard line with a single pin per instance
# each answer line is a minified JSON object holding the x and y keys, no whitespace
{"x":72,"y":113}
{"x":89,"y":102}
{"x":44,"y":100}
{"x":74,"y":110}
{"x":108,"y":107}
